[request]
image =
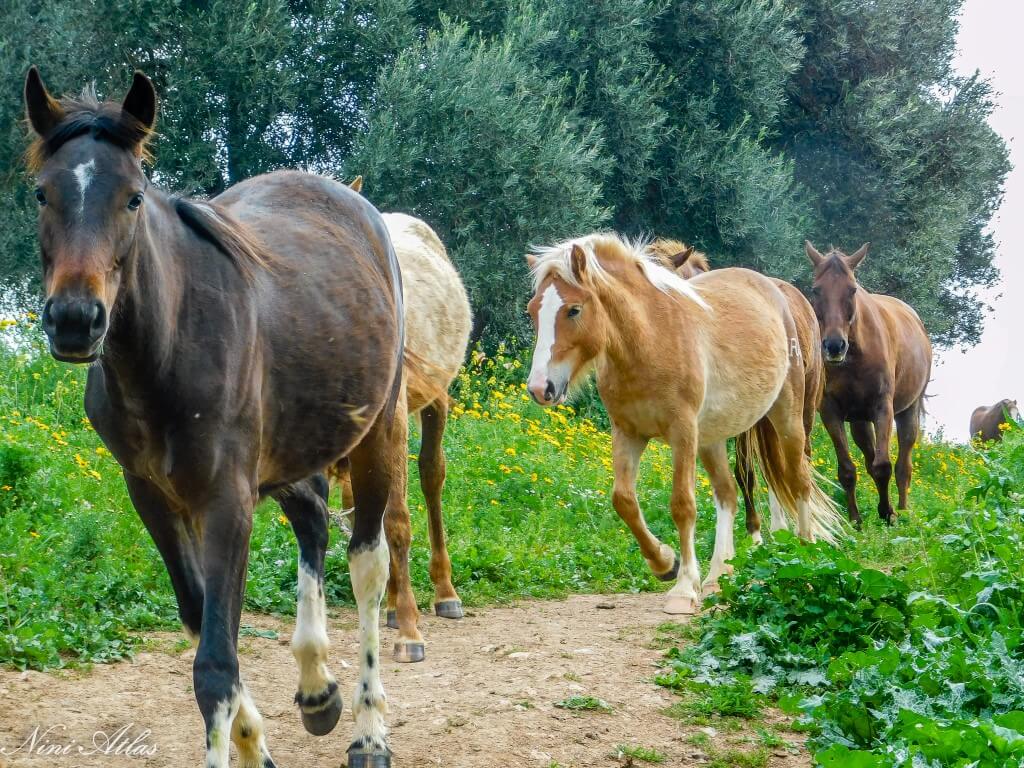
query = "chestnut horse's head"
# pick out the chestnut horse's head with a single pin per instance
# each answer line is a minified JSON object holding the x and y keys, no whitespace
{"x":835,"y":298}
{"x":90,"y":187}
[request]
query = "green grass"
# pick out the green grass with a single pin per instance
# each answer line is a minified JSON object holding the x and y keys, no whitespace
{"x":584,"y":704}
{"x":636,"y":752}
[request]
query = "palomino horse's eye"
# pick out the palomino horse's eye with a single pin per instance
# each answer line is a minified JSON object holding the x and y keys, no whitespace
{"x":574,"y":311}
{"x":135,"y":202}
{"x":40,"y":196}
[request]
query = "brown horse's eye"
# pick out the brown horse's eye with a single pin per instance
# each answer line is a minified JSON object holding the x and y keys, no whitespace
{"x":574,"y":311}
{"x":40,"y":196}
{"x":135,"y":202}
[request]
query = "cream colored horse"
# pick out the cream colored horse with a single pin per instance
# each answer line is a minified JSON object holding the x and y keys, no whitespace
{"x":689,"y":362}
{"x":437,"y":326}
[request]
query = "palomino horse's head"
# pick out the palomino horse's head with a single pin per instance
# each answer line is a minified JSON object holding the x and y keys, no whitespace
{"x":685,"y":260}
{"x":570,"y":326}
{"x":834,"y":298}
{"x":90,"y":187}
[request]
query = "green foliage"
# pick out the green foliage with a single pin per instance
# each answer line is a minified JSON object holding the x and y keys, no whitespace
{"x":637,"y":752}
{"x":584,"y":704}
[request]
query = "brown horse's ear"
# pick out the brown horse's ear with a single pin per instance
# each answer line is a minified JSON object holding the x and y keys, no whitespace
{"x":680,"y":258}
{"x":140,"y":102}
{"x":812,"y":253}
{"x":356,"y":185}
{"x":531,"y":260}
{"x":43,"y":111}
{"x":578,"y":258}
{"x":856,"y":258}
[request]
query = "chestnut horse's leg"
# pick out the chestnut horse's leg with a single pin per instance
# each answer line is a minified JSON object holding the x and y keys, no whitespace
{"x":908,"y":425}
{"x":305,"y":506}
{"x":747,"y":480}
{"x":847,"y":471}
{"x":378,"y":466}
{"x":432,"y":475}
{"x":684,"y":597}
{"x":716,"y":461}
{"x":626,"y":452}
{"x":877,"y":460}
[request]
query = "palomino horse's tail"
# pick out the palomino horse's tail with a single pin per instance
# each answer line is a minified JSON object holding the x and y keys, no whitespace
{"x":762,"y":442}
{"x":424,"y":381}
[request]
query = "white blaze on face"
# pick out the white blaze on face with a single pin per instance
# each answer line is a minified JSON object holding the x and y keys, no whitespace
{"x":84,"y":173}
{"x":547,"y":314}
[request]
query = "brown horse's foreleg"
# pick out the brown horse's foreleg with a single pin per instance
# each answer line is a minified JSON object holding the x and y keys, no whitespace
{"x":684,"y":597}
{"x":716,"y":461}
{"x":880,"y":465}
{"x":908,"y":426}
{"x":747,"y":481}
{"x":305,"y":506}
{"x":847,"y":471}
{"x":626,"y":452}
{"x":432,"y":475}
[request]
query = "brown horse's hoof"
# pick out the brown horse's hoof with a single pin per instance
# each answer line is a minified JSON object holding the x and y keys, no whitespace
{"x":681,"y":606}
{"x":670,"y":575}
{"x":409,"y":652}
{"x":360,"y":757}
{"x":320,"y":713}
{"x":392,"y":622}
{"x":449,"y":609}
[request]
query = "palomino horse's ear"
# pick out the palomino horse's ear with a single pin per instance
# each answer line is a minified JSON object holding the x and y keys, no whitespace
{"x":43,"y":111}
{"x":578,"y":258}
{"x":356,"y":185}
{"x":680,"y":258}
{"x":812,"y":253}
{"x":531,"y":260}
{"x":854,"y":259}
{"x":140,"y":102}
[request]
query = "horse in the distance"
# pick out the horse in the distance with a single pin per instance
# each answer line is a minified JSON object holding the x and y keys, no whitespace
{"x":878,"y":360}
{"x":239,"y":347}
{"x":437,"y":324}
{"x":669,"y":367}
{"x":987,"y":420}
{"x":688,"y":263}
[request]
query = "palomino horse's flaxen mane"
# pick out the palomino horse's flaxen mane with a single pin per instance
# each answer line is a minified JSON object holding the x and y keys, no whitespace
{"x":603,"y":250}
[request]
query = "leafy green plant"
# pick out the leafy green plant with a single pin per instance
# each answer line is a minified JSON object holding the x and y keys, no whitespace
{"x":584,"y":704}
{"x":636,"y":752}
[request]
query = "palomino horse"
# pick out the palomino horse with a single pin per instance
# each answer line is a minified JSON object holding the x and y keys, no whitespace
{"x":668,"y":366}
{"x":437,"y":324}
{"x":239,"y":347}
{"x":689,"y":262}
{"x":987,"y":419}
{"x":878,"y":359}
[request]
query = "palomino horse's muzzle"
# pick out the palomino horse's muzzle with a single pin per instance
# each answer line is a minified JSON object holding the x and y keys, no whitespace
{"x":548,"y":394}
{"x":75,"y":327}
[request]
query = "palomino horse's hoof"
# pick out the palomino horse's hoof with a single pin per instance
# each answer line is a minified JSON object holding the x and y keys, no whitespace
{"x":392,"y":622}
{"x":681,"y":606}
{"x":672,"y":574}
{"x":364,"y":758}
{"x":409,"y":653}
{"x":449,"y":609}
{"x":709,"y":588}
{"x":320,"y":713}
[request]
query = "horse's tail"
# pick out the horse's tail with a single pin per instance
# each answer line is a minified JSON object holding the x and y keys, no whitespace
{"x":765,"y":445}
{"x":424,"y":379}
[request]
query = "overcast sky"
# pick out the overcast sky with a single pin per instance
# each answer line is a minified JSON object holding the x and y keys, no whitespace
{"x":990,"y":41}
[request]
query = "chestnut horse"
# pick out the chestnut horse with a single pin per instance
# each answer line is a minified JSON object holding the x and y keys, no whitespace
{"x":878,"y":360}
{"x":668,"y":367}
{"x":437,"y":323}
{"x":239,"y":346}
{"x":689,"y":262}
{"x":987,"y":420}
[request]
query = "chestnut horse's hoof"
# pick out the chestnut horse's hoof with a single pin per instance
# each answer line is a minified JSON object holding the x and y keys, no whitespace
{"x":670,"y":575}
{"x":392,"y":622}
{"x":320,"y":713}
{"x":681,"y":606}
{"x":449,"y":609}
{"x":409,"y":652}
{"x":366,"y":758}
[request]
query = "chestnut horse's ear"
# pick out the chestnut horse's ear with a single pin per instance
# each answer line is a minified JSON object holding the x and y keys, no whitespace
{"x":855,"y":259}
{"x":680,"y":258}
{"x":531,"y":260}
{"x":578,"y":258}
{"x":140,"y":102}
{"x":43,"y":111}
{"x":812,"y":253}
{"x":356,"y":185}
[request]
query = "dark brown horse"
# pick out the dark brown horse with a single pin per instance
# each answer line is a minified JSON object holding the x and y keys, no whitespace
{"x":878,"y":360}
{"x":239,"y":347}
{"x":988,"y":420}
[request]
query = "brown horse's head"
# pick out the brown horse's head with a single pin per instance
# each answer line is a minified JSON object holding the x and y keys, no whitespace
{"x":90,"y":187}
{"x":835,"y":298}
{"x":569,"y":321}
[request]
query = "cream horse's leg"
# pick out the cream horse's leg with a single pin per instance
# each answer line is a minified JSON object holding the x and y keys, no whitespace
{"x":715,"y":459}
{"x":684,"y":597}
{"x":626,"y":452}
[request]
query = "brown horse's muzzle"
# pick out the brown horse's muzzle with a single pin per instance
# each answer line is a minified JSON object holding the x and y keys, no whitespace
{"x":835,"y":349}
{"x":75,"y":327}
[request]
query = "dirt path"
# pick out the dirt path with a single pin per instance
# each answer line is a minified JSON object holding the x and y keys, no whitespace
{"x":483,"y":698}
